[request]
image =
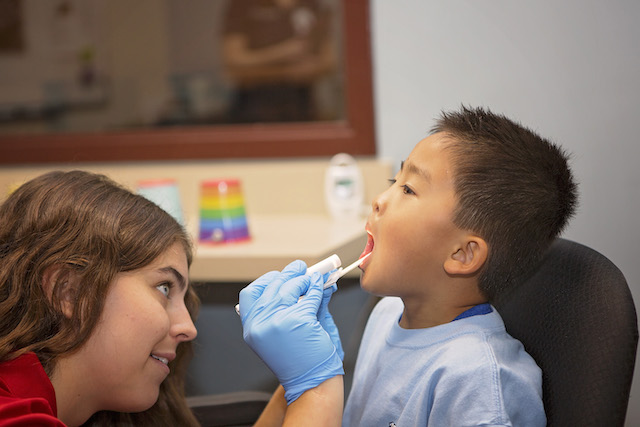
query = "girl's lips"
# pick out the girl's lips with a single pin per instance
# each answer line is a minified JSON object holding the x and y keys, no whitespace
{"x":163,"y":359}
{"x":162,"y":362}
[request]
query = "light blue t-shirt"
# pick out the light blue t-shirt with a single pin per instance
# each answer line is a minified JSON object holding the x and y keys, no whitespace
{"x":465,"y":373}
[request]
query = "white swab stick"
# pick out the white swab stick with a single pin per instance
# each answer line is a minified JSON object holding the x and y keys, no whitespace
{"x":353,"y":265}
{"x":333,"y":278}
{"x":325,"y":266}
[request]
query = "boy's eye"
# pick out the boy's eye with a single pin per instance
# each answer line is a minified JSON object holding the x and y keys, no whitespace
{"x":165,"y":288}
{"x":407,"y":190}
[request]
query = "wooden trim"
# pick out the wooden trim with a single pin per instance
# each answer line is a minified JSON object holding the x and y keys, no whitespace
{"x":355,"y":135}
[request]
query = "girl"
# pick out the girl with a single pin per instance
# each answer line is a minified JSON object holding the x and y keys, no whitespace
{"x":95,"y":306}
{"x":96,"y":314}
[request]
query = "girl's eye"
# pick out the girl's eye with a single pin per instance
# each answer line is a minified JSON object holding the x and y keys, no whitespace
{"x":165,"y":288}
{"x":391,"y":181}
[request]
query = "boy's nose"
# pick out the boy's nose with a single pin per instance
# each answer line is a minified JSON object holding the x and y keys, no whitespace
{"x":379,"y":202}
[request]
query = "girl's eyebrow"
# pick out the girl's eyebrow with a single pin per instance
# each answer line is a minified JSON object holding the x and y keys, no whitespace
{"x":182,"y":282}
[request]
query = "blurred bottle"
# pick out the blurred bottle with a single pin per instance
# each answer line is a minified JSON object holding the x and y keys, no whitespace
{"x":344,"y":188}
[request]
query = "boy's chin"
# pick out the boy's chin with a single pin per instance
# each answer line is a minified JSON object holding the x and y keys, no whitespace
{"x":368,"y":284}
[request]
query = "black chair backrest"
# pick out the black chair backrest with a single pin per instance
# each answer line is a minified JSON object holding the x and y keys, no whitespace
{"x":237,"y":409}
{"x":577,"y":319}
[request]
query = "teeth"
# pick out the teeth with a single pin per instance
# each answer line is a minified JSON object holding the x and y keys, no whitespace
{"x":162,"y":359}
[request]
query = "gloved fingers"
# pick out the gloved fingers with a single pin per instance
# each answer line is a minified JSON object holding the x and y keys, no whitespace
{"x":331,"y":328}
{"x":291,"y":291}
{"x":326,"y":297}
{"x":327,"y":322}
{"x":313,"y":298}
{"x":250,"y":294}
{"x":287,"y":335}
{"x":327,"y":294}
{"x":326,"y":276}
{"x":330,"y":290}
{"x":293,"y":269}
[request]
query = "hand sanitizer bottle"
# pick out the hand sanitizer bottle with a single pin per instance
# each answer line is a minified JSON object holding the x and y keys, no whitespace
{"x":343,"y":187}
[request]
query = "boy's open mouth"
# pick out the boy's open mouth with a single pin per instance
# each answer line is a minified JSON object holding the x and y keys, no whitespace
{"x":369,"y":246}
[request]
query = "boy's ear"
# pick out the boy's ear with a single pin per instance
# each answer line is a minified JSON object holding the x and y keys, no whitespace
{"x":468,"y":257}
{"x":60,"y":286}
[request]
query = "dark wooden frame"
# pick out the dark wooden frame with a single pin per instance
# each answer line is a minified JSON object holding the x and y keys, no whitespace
{"x":355,"y":135}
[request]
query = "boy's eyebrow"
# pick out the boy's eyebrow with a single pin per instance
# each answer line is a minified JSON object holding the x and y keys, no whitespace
{"x":182,"y":282}
{"x":415,"y":170}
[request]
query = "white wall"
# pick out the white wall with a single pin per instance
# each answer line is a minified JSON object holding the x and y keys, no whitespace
{"x":568,"y":69}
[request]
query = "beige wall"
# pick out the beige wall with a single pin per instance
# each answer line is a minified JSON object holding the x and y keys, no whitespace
{"x":270,"y":186}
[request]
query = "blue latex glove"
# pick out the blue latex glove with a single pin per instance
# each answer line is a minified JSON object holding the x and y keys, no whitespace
{"x":326,"y":320}
{"x":285,"y":333}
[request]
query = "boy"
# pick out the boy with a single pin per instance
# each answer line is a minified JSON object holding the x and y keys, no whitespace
{"x":470,"y":213}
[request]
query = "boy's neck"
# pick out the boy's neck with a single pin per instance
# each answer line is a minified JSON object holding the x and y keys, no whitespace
{"x":420,"y":314}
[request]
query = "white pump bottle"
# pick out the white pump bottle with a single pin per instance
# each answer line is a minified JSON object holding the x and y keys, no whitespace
{"x":343,"y":187}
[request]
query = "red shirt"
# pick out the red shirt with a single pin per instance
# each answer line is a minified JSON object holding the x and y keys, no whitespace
{"x":27,"y":397}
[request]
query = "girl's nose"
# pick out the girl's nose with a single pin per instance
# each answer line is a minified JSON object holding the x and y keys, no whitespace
{"x":182,"y":326}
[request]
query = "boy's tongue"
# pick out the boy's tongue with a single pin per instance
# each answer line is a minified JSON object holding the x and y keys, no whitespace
{"x":368,"y":247}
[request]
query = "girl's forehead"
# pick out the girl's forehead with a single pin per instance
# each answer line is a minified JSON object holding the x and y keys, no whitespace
{"x":174,"y":257}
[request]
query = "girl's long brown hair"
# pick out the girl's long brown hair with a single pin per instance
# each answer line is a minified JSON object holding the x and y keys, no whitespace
{"x":83,"y":224}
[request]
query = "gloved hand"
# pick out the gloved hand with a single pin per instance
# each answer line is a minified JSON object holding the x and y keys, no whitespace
{"x":285,"y":333}
{"x":326,"y":320}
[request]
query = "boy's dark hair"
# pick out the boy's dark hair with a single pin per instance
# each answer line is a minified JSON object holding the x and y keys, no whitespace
{"x":514,"y":189}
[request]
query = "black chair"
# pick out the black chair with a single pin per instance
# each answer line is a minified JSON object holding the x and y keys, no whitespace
{"x":577,"y":319}
{"x":229,"y":409}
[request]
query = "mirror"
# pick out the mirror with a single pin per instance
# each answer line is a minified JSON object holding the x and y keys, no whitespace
{"x":71,"y":92}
